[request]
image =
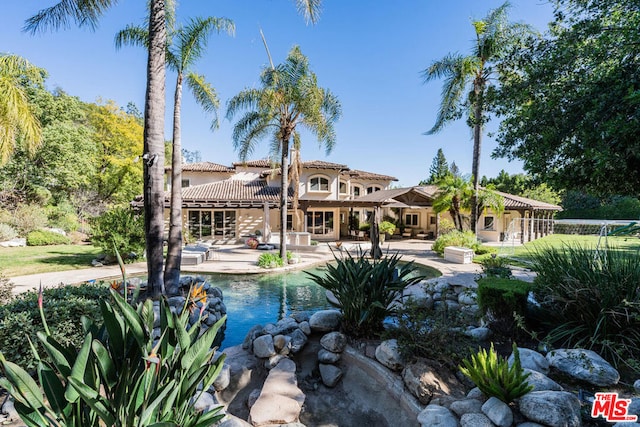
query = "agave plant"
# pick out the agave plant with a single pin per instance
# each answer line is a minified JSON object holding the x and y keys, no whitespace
{"x":366,"y":289}
{"x":122,"y":375}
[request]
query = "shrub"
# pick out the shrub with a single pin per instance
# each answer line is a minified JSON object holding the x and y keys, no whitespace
{"x":64,"y":307}
{"x":590,"y":299}
{"x":7,"y":232}
{"x":123,"y":227}
{"x":494,"y":377}
{"x":63,"y":216}
{"x":501,"y":298}
{"x":122,"y":373}
{"x":46,"y":237}
{"x":270,"y":260}
{"x":495,"y":266}
{"x":464,"y":239}
{"x":366,"y":290}
{"x":445,"y":226}
{"x":27,"y":218}
{"x":434,"y":334}
{"x":387,"y":227}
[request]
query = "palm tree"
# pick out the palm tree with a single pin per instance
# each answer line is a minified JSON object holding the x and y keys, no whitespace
{"x":16,"y":116}
{"x":454,"y":193}
{"x":289,"y":97}
{"x":185,"y":46}
{"x":87,"y":13}
{"x":470,"y":76}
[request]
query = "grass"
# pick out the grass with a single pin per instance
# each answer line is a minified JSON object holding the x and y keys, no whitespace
{"x":45,"y":259}
{"x":523,"y":254}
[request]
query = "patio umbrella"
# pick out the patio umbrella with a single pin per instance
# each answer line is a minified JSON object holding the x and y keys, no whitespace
{"x":374,"y":234}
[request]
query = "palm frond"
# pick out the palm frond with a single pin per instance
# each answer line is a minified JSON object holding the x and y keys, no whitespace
{"x":310,"y":10}
{"x":205,"y":95}
{"x":132,"y":35}
{"x":193,"y":38}
{"x":248,"y":131}
{"x":84,"y":13}
{"x":247,"y":99}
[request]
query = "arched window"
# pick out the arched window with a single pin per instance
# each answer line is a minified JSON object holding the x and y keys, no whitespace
{"x":356,"y":190}
{"x":318,"y":183}
{"x":343,"y":187}
{"x":373,"y":189}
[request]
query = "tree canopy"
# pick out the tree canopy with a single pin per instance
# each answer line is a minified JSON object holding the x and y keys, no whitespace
{"x":570,"y":105}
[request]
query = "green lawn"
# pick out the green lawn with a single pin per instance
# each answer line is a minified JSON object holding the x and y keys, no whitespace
{"x":44,"y":259}
{"x":558,"y":241}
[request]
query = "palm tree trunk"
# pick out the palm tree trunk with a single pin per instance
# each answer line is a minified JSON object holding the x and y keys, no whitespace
{"x":477,"y":140}
{"x":284,"y":192}
{"x":154,"y":148}
{"x":174,"y":251}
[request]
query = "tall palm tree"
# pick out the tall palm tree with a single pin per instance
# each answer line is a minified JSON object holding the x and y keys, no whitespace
{"x":289,"y":97}
{"x":88,"y":13}
{"x":16,"y":116}
{"x":185,"y":45}
{"x":468,"y":78}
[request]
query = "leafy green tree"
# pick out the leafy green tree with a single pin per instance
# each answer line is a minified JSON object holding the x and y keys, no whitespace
{"x":17,"y":119}
{"x":438,"y":170}
{"x":570,"y":103}
{"x":454,"y":170}
{"x":543,"y":193}
{"x":467,"y":80}
{"x":185,"y":45}
{"x":289,"y":97}
{"x":453,"y":194}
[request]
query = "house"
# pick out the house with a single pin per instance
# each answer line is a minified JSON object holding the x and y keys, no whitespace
{"x":229,"y":203}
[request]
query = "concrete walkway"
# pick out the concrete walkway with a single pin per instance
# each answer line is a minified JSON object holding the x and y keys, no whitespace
{"x":239,"y":259}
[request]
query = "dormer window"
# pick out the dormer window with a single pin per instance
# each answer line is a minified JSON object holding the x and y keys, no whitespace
{"x":318,"y":183}
{"x":373,"y":189}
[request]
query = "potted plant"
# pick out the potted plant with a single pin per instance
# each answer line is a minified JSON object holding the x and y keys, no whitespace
{"x":386,"y":227}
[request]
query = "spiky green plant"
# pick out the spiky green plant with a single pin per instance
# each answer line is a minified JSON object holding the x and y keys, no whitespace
{"x":493,"y":375}
{"x":366,"y":289}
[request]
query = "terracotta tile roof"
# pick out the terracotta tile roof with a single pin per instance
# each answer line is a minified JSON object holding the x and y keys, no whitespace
{"x":510,"y":201}
{"x":232,"y":191}
{"x":319,"y":164}
{"x":261,"y":163}
{"x":358,"y":174}
{"x":203,"y":167}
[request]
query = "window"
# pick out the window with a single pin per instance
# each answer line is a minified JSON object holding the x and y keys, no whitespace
{"x":289,"y":222}
{"x":200,"y":223}
{"x":411,"y":220}
{"x":186,"y":183}
{"x":224,"y":223}
{"x":489,"y":223}
{"x":343,"y":188}
{"x":356,"y":190}
{"x":373,"y":189}
{"x":318,"y":183}
{"x":320,"y":222}
{"x":432,"y":220}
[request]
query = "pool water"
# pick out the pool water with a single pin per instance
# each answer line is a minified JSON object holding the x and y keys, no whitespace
{"x":253,"y":299}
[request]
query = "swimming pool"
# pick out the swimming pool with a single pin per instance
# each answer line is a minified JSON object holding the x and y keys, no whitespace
{"x":253,"y":299}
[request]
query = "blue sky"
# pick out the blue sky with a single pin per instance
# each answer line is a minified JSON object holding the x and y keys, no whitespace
{"x":368,"y":53}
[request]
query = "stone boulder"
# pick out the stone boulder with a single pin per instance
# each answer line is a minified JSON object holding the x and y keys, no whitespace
{"x":280,"y":400}
{"x":334,"y":342}
{"x":466,"y":406}
{"x":325,"y":320}
{"x":531,"y":359}
{"x":584,"y":365}
{"x":426,"y":379}
{"x":475,"y":420}
{"x":330,"y":374}
{"x":551,"y":408}
{"x":263,"y":346}
{"x":437,"y":416}
{"x":326,"y":356}
{"x":498,"y":412}
{"x":541,"y":382}
{"x":388,"y":354}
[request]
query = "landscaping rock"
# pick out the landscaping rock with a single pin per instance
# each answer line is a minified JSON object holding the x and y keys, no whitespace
{"x":280,"y":400}
{"x":437,"y":416}
{"x":263,"y":346}
{"x":325,"y":320}
{"x":285,"y":326}
{"x":298,"y":340}
{"x":326,"y":356}
{"x":466,"y":406}
{"x":304,"y":327}
{"x":478,"y":334}
{"x":334,"y":342}
{"x":426,"y":379}
{"x":232,"y":421}
{"x":330,"y":374}
{"x":531,"y":359}
{"x":253,"y":333}
{"x":475,"y":420}
{"x":282,"y":344}
{"x":388,"y":354}
{"x":223,"y":379}
{"x":541,"y":382}
{"x":498,"y":412}
{"x":584,"y":365}
{"x":551,"y":408}
{"x":636,"y":386}
{"x":205,"y":403}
